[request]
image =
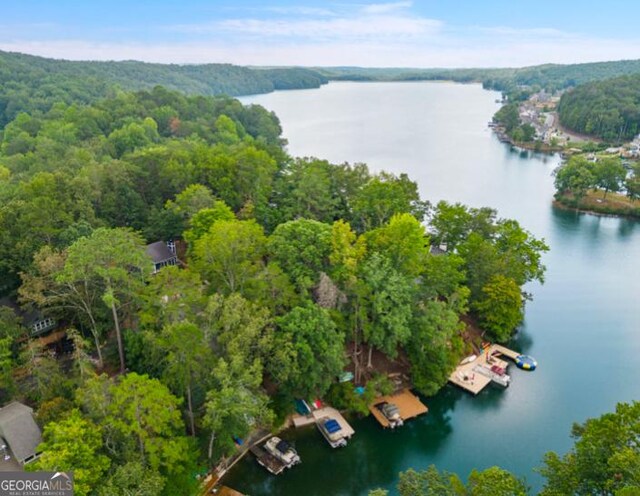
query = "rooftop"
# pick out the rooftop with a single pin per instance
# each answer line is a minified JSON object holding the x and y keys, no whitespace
{"x":159,"y":252}
{"x":19,"y":430}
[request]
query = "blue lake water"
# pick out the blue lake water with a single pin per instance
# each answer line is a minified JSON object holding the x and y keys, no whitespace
{"x":583,"y":325}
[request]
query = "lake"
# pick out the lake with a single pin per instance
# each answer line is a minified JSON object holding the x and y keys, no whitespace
{"x":583,"y":325}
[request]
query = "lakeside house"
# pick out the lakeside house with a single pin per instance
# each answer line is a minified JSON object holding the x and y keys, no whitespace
{"x":35,"y":320}
{"x":163,"y":254}
{"x":19,"y":434}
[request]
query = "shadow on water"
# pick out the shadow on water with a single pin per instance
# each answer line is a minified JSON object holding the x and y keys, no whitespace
{"x":374,"y":455}
{"x":570,"y":222}
{"x":522,"y":341}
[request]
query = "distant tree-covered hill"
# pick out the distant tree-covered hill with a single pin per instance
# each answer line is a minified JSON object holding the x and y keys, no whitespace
{"x":29,"y":83}
{"x":508,"y":80}
{"x":608,"y":109}
{"x":554,"y":77}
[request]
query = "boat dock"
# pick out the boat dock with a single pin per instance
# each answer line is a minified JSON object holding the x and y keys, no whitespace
{"x":501,"y":350}
{"x":267,"y":460}
{"x":408,"y":404}
{"x":227,"y":491}
{"x":333,"y":426}
{"x":332,"y":413}
{"x":466,"y":375}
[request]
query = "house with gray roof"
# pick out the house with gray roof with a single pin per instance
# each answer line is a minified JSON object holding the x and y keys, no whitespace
{"x":19,"y":432}
{"x":162,"y":254}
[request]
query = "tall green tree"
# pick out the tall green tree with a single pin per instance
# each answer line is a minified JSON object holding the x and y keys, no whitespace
{"x":73,"y":444}
{"x":132,"y":479}
{"x":187,"y":361}
{"x":302,"y":247}
{"x":235,"y":404}
{"x":230,"y":255}
{"x":171,"y":296}
{"x":500,"y":308}
{"x":610,"y":175}
{"x":387,"y":296}
{"x":235,"y":327}
{"x":385,"y":196}
{"x":308,"y":352}
{"x":403,"y":241}
{"x":577,"y":176}
{"x":48,"y":286}
{"x":432,"y":482}
{"x":146,"y":417}
{"x":605,"y":458}
{"x":115,"y":261}
{"x":201,"y":221}
{"x":435,"y":345}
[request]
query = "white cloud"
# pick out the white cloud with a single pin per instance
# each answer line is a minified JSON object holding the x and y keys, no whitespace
{"x":370,"y":34}
{"x":300,"y":10}
{"x":379,"y":20}
{"x":371,"y":53}
{"x":384,"y":8}
{"x":342,"y":28}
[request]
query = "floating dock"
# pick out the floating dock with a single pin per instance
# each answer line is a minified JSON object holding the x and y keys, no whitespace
{"x":468,"y":379}
{"x":267,"y":460}
{"x":408,"y":404}
{"x":497,"y":349}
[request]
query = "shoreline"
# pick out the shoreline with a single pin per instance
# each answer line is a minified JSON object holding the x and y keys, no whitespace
{"x":559,"y":204}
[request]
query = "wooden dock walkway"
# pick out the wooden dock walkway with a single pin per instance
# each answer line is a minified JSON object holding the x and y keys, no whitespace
{"x":409,"y":406}
{"x":465,"y":377}
{"x":512,"y":355}
{"x":227,"y":491}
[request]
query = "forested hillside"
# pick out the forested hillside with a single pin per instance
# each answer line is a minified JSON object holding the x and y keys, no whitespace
{"x":551,"y":77}
{"x":295,"y":270}
{"x":608,"y":109}
{"x":29,"y":83}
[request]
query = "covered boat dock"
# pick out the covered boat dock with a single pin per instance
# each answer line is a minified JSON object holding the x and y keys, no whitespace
{"x":408,"y":404}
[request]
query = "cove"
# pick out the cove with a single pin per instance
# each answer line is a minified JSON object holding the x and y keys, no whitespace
{"x":583,"y":325}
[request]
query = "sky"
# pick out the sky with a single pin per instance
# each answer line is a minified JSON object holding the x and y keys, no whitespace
{"x":443,"y":33}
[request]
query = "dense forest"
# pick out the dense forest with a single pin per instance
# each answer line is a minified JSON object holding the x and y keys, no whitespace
{"x":29,"y":83}
{"x":294,"y":271}
{"x":554,"y":77}
{"x":608,"y":109}
{"x":551,"y":77}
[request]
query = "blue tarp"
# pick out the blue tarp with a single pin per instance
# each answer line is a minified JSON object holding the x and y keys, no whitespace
{"x":332,"y":426}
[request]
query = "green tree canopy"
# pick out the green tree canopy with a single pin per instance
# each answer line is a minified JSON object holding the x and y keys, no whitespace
{"x":308,"y":352}
{"x":605,"y":458}
{"x":230,"y":255}
{"x":73,"y":444}
{"x":302,"y":248}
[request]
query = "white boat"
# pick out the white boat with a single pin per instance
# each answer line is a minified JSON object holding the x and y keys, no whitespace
{"x":332,"y":432}
{"x":391,"y":413}
{"x":283,"y":451}
{"x":469,"y":359}
{"x":498,"y":376}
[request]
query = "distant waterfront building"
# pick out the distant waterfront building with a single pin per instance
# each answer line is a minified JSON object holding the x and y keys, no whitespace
{"x":34,"y":319}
